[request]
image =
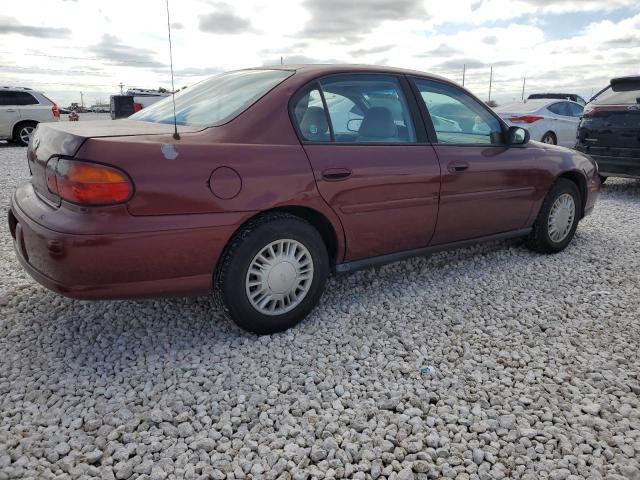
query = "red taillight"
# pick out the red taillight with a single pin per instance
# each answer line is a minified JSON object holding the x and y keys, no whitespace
{"x":525,"y":119}
{"x":54,"y":108}
{"x":88,"y":183}
{"x":591,"y":111}
{"x":137,"y":107}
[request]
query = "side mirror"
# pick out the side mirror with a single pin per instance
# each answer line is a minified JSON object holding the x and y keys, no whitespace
{"x":518,"y":136}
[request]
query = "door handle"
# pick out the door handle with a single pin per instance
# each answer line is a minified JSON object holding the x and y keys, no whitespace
{"x":336,"y":174}
{"x":455,"y":167}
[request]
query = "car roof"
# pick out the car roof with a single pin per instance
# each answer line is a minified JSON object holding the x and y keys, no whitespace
{"x":321,"y":69}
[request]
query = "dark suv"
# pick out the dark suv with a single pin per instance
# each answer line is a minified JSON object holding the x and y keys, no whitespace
{"x":610,"y":129}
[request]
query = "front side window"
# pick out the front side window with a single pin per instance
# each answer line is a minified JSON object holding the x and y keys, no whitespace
{"x":457,"y":117}
{"x":215,"y":101}
{"x":575,"y":110}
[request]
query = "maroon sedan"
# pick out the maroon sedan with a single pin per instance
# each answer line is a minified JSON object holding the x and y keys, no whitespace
{"x":279,"y":176}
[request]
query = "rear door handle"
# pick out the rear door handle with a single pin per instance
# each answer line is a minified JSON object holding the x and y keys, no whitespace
{"x":336,"y":174}
{"x":454,"y":167}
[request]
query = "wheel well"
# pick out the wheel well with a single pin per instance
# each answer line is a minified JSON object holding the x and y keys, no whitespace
{"x":20,"y":124}
{"x":549,"y":132}
{"x":319,"y":221}
{"x":315,"y":218}
{"x":581,"y":183}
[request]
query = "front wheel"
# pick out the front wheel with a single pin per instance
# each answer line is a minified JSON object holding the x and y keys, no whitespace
{"x":272,"y":274}
{"x":558,"y":218}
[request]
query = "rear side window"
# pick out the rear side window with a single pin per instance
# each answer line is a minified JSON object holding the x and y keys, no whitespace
{"x":620,"y":93}
{"x":17,"y":98}
{"x":457,"y":117}
{"x":560,"y":108}
{"x":310,"y":116}
{"x":215,"y":101}
{"x":368,"y":109}
{"x":358,"y":109}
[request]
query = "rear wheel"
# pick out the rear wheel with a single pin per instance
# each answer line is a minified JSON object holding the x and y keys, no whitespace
{"x":558,"y":218}
{"x":22,"y":132}
{"x":273,"y":273}
{"x":549,"y":138}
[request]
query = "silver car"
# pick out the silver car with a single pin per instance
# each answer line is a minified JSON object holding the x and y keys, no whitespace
{"x":21,"y":109}
{"x":548,"y":120}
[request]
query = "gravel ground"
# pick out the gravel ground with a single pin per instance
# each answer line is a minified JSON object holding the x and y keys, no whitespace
{"x":489,"y":362}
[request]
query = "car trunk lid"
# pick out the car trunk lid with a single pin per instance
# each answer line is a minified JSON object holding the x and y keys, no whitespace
{"x":63,"y":139}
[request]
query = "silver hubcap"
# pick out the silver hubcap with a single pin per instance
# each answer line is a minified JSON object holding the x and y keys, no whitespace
{"x":279,"y":277}
{"x":561,"y":216}
{"x":25,"y":134}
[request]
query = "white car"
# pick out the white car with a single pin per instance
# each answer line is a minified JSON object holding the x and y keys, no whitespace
{"x":21,"y":109}
{"x":548,"y":120}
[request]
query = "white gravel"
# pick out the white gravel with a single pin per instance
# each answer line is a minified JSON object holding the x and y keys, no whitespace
{"x":534,"y":371}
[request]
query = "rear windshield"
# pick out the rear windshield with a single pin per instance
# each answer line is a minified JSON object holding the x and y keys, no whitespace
{"x":214,"y":101}
{"x":620,"y":93}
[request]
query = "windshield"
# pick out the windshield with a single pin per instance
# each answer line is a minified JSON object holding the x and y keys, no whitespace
{"x":214,"y":101}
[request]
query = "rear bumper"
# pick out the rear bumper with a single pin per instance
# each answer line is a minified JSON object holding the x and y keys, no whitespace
{"x":626,"y":164}
{"x":160,"y":261}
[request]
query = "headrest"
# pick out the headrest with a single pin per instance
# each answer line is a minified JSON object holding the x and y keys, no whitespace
{"x":314,"y":123}
{"x":378,"y":123}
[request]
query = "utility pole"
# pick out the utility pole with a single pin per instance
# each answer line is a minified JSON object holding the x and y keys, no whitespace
{"x":121,"y":85}
{"x":524,"y":79}
{"x":464,"y":72}
{"x":281,"y":60}
{"x":82,"y":100}
{"x":490,"y":81}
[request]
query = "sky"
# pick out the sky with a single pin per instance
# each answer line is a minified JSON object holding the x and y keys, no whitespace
{"x":64,"y":47}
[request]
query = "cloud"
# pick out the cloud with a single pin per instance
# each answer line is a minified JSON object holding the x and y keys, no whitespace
{"x":472,"y":64}
{"x":300,"y":60}
{"x":197,"y":71}
{"x":371,"y":50}
{"x":490,"y":40}
{"x":339,"y":21}
{"x":9,"y":25}
{"x":443,"y":50}
{"x":111,"y":49}
{"x":177,"y":25}
{"x":224,"y":22}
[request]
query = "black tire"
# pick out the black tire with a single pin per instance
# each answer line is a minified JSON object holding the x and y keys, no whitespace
{"x":549,"y":138}
{"x":231,"y":274}
{"x":18,"y":132}
{"x":603,"y":179}
{"x":539,"y":239}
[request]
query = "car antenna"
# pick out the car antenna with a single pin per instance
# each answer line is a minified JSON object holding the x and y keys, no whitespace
{"x":173,"y":88}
